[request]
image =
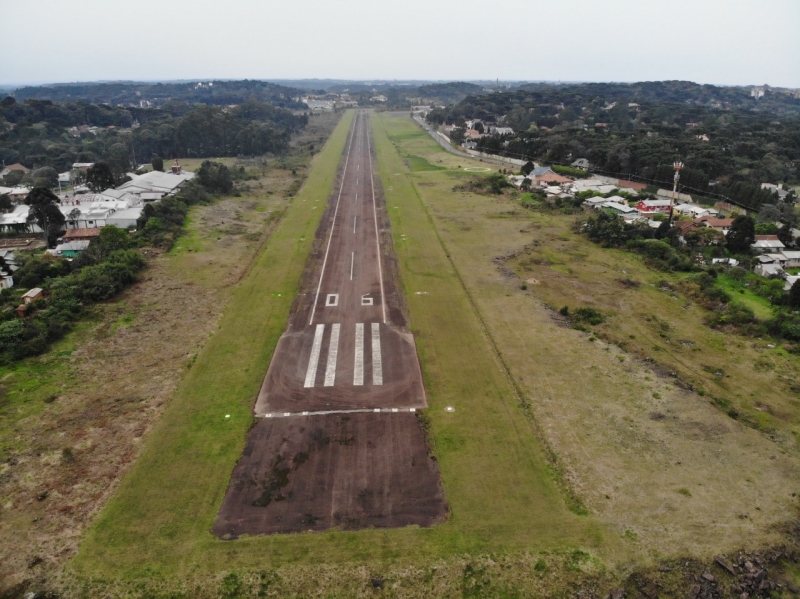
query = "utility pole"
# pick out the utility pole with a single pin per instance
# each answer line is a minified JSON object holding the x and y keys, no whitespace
{"x":677,"y":166}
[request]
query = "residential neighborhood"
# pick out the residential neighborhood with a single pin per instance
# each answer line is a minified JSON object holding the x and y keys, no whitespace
{"x":85,"y":212}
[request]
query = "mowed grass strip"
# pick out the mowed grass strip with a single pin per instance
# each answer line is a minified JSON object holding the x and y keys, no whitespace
{"x":501,"y":491}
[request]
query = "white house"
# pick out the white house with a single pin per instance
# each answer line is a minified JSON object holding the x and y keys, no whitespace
{"x":766,"y":244}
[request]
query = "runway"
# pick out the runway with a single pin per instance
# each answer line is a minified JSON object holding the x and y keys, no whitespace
{"x":346,"y":361}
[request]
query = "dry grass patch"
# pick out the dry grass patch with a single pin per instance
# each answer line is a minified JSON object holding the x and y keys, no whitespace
{"x":72,"y":421}
{"x":594,"y":402}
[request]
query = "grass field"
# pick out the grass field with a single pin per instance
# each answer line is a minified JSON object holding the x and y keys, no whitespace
{"x":635,"y":445}
{"x":503,"y":494}
{"x":652,"y":467}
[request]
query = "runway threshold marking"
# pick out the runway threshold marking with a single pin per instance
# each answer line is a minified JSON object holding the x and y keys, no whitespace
{"x":329,"y":412}
{"x":333,"y":351}
{"x":377,"y":366}
{"x":358,"y":370}
{"x":313,"y":360}
{"x":333,"y":223}
{"x":375,"y":217}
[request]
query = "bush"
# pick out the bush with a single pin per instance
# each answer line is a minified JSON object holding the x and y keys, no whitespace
{"x":568,"y":171}
{"x":589,"y":316}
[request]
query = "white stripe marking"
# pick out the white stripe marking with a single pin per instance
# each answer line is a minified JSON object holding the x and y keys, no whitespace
{"x":377,"y":367}
{"x":313,"y":360}
{"x":375,"y":215}
{"x":352,"y":259}
{"x":333,"y":351}
{"x":358,"y":371}
{"x":333,"y":223}
{"x":354,"y":224}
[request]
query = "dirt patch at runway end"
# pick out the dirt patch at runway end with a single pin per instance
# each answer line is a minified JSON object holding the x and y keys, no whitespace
{"x":353,"y":471}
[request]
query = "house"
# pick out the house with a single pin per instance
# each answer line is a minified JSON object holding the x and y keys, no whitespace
{"x":545,"y":174}
{"x":595,"y":201}
{"x":617,"y":208}
{"x":766,"y":243}
{"x":71,"y":249}
{"x":684,"y":226}
{"x":580,"y":163}
{"x":792,"y":258}
{"x":703,"y":137}
{"x":720,"y":224}
{"x":82,"y":166}
{"x":652,"y":206}
{"x":156,"y":182}
{"x":769,"y":270}
{"x":782,"y":193}
{"x":692,"y":210}
{"x":18,"y":194}
{"x":790,"y":281}
{"x":623,"y":183}
{"x":13,"y":167}
{"x":32,"y":295}
{"x":125,"y":219}
{"x":501,"y":130}
{"x":16,"y":221}
{"x":80,"y":234}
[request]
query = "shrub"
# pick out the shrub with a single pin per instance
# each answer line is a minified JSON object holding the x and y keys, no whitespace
{"x":589,"y":316}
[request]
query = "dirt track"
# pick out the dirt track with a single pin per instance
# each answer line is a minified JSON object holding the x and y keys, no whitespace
{"x":346,"y":347}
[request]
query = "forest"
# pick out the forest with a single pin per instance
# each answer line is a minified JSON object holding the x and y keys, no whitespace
{"x":213,"y":93}
{"x":730,"y":143}
{"x":43,"y":133}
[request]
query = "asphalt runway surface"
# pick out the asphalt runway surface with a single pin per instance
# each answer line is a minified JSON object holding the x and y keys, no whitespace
{"x":337,"y":441}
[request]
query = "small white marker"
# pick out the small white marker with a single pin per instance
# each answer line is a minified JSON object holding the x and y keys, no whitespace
{"x":227,"y":415}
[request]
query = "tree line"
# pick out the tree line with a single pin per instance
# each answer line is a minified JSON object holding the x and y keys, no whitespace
{"x":35,"y":133}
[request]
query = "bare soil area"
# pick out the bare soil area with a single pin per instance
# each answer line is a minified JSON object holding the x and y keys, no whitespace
{"x":349,"y":471}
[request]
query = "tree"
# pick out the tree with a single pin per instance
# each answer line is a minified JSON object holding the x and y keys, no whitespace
{"x":158,"y":164}
{"x":46,"y":176}
{"x":768,"y":213}
{"x":703,"y":236}
{"x":786,"y":236}
{"x":742,"y":235}
{"x":14,"y":177}
{"x":45,"y":213}
{"x":6,"y":205}
{"x":73,"y":216}
{"x":794,"y":295}
{"x":99,"y":177}
{"x":215,"y":177}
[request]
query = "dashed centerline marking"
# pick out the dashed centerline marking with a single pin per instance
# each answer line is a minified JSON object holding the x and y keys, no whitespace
{"x":313,"y":360}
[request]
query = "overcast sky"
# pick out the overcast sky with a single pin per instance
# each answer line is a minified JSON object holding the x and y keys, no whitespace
{"x":737,"y":42}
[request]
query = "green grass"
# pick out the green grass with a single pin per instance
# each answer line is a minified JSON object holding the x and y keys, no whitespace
{"x":502,"y":492}
{"x":760,"y":306}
